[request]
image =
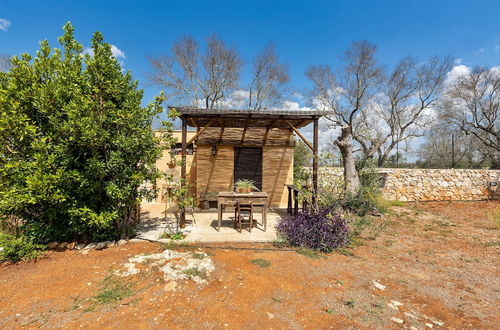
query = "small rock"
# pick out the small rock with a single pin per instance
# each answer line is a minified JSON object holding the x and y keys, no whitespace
{"x":392,"y":306}
{"x":63,"y":246}
{"x":437,"y":322}
{"x":396,"y":303}
{"x":79,"y":246}
{"x":53,"y":245}
{"x":170,"y":286}
{"x":90,"y":246}
{"x":84,"y":251}
{"x":101,"y":245}
{"x":412,"y":316}
{"x":429,"y":325}
{"x":110,"y":244}
{"x":72,"y":245}
{"x":121,"y":242}
{"x":395,"y":319}
{"x":378,"y":285}
{"x":270,"y":315}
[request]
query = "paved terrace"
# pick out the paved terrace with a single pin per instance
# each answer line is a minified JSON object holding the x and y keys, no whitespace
{"x":204,"y":227}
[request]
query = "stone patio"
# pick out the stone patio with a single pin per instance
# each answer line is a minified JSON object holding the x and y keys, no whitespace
{"x":204,"y":227}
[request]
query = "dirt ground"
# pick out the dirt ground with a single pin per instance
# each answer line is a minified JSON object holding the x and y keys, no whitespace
{"x":436,"y":263}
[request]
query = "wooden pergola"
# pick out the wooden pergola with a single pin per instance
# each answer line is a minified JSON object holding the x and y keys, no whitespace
{"x":202,"y":119}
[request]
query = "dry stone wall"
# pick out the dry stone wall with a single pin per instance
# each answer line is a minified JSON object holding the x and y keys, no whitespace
{"x":432,"y":184}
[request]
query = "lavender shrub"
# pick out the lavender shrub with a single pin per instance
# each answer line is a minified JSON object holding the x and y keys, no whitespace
{"x":324,"y":230}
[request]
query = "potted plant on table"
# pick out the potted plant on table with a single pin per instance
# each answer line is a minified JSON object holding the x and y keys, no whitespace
{"x":245,"y":186}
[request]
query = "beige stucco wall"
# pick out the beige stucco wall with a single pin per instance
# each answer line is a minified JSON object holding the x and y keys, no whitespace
{"x":163,"y":165}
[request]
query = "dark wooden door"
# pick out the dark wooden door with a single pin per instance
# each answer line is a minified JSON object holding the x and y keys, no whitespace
{"x":248,"y":165}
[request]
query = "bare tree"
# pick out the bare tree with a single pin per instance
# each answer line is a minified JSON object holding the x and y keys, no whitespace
{"x":200,"y":80}
{"x":446,"y":147}
{"x":403,"y":108}
{"x":269,"y":80}
{"x":5,"y":63}
{"x":347,"y":96}
{"x":382,"y":110}
{"x":472,"y":104}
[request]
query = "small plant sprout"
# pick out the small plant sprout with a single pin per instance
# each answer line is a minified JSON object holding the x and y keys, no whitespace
{"x":262,"y":263}
{"x":245,"y":186}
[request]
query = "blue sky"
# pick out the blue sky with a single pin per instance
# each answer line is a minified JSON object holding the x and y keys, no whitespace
{"x":305,"y":32}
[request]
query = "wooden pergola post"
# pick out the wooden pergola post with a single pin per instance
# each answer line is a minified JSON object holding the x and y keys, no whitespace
{"x":315,"y":162}
{"x":183,"y":167}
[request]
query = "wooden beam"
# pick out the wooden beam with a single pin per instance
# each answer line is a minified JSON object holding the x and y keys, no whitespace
{"x":221,"y":124}
{"x":193,"y":122}
{"x":200,"y":131}
{"x":245,"y":127}
{"x":268,"y":128}
{"x":315,"y":163}
{"x":300,"y":135}
{"x":183,"y":167}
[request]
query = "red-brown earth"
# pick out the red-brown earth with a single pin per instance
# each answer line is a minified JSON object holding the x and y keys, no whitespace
{"x":439,"y":260}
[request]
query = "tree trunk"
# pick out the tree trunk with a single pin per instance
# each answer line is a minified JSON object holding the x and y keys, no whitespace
{"x":351,"y":179}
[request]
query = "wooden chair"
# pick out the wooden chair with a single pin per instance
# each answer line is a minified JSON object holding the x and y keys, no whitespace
{"x":243,"y":213}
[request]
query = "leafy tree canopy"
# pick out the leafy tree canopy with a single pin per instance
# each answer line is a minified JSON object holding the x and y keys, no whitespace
{"x":77,"y":146}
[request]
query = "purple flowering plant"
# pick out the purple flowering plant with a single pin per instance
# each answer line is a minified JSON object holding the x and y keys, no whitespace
{"x":323,"y":230}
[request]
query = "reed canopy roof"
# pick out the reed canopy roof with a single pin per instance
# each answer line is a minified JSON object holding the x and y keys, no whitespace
{"x":236,"y":118}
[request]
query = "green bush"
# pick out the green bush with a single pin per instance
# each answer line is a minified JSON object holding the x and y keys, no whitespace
{"x":77,"y":143}
{"x":20,"y":248}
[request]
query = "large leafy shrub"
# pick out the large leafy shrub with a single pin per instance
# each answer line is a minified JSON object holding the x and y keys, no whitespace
{"x":18,"y":248}
{"x":324,"y":230}
{"x":77,"y":145}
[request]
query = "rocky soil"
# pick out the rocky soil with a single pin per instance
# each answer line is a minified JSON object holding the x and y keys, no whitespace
{"x":432,"y":265}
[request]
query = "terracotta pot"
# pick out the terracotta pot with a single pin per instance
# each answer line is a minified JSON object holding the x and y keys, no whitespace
{"x":244,"y":190}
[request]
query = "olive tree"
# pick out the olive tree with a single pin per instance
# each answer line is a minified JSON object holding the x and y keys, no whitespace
{"x":376,"y":108}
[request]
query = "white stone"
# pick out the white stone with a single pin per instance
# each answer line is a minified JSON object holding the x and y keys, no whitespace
{"x":90,"y":246}
{"x":378,"y":285}
{"x":395,"y":319}
{"x":121,"y":242}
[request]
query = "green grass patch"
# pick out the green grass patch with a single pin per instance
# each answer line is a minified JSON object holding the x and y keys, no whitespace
{"x":494,"y":219}
{"x":198,"y":255}
{"x":179,"y":246}
{"x":262,"y":263}
{"x":173,"y":237}
{"x":311,"y":254}
{"x":113,"y":289}
{"x":195,"y":272}
{"x":329,"y":311}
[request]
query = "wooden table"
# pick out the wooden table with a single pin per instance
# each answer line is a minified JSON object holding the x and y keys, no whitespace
{"x":229,"y":198}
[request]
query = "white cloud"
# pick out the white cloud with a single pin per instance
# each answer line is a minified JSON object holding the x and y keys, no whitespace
{"x":292,"y":105}
{"x":479,"y":51}
{"x":4,"y":24}
{"x":496,"y":69}
{"x":455,"y":72}
{"x":458,"y":61}
{"x":117,"y":52}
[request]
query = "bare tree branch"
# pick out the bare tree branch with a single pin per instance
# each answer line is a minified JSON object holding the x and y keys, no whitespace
{"x":200,"y":80}
{"x":269,"y":79}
